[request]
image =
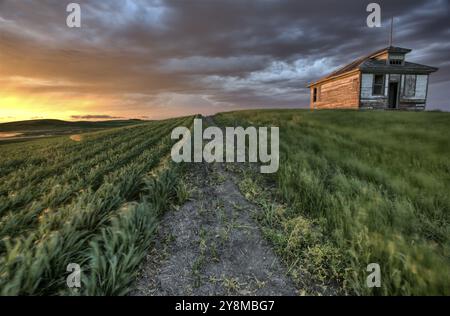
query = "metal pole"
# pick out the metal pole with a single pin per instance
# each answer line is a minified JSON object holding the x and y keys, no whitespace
{"x":391,"y":39}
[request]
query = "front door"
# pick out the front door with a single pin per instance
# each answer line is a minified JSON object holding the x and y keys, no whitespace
{"x":393,"y":95}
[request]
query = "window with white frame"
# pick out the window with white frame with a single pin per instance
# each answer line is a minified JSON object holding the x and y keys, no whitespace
{"x":409,"y":89}
{"x":378,"y":85}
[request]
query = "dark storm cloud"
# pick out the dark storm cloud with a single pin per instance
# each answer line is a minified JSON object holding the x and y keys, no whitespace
{"x":208,"y":55}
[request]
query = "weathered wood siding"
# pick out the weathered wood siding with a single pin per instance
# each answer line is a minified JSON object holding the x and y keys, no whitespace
{"x":407,"y":100}
{"x":368,"y":100}
{"x":356,"y":91}
{"x":384,"y":56}
{"x":338,"y":93}
{"x":416,"y":101}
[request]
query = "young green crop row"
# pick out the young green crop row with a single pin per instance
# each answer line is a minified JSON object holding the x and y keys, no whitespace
{"x":113,"y":257}
{"x":82,"y":219}
{"x":53,"y":161}
{"x":57,"y":190}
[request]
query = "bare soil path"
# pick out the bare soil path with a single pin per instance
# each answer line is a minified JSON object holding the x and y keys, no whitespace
{"x":212,"y":245}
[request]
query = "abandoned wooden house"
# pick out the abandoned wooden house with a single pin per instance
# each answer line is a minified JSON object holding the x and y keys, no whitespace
{"x":381,"y":80}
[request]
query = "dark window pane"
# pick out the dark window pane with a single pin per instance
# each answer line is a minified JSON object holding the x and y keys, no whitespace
{"x":378,"y":79}
{"x":378,"y":85}
{"x":378,"y":90}
{"x":395,"y":62}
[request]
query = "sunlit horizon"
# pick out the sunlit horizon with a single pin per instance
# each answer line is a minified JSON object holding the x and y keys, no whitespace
{"x":22,"y":108}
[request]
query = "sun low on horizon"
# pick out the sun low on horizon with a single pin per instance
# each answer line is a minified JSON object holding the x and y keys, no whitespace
{"x":25,"y":107}
{"x":21,"y":107}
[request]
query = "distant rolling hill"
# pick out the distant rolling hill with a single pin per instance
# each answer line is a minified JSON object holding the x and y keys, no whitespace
{"x":59,"y":125}
{"x":21,"y":131}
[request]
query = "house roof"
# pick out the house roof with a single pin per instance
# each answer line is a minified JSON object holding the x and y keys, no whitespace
{"x":370,"y":64}
{"x":374,"y":65}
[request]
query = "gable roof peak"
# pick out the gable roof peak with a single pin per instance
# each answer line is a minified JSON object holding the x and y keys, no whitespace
{"x":391,"y":49}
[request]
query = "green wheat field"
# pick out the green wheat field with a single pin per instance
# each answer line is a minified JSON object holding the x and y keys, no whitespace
{"x":353,"y":188}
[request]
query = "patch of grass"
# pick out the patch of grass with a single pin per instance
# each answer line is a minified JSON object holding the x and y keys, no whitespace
{"x":67,"y":202}
{"x":219,"y":178}
{"x":215,"y":256}
{"x":232,"y":285}
{"x":183,"y":192}
{"x":114,"y":256}
{"x":196,"y":270}
{"x":360,"y":187}
{"x":298,"y":240}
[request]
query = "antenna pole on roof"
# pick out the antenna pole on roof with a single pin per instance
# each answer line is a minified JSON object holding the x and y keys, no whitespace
{"x":391,"y":38}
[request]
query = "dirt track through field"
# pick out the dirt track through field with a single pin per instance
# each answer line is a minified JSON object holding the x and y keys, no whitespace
{"x":212,"y":245}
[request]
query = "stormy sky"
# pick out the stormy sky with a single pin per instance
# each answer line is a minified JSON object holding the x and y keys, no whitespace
{"x":156,"y":59}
